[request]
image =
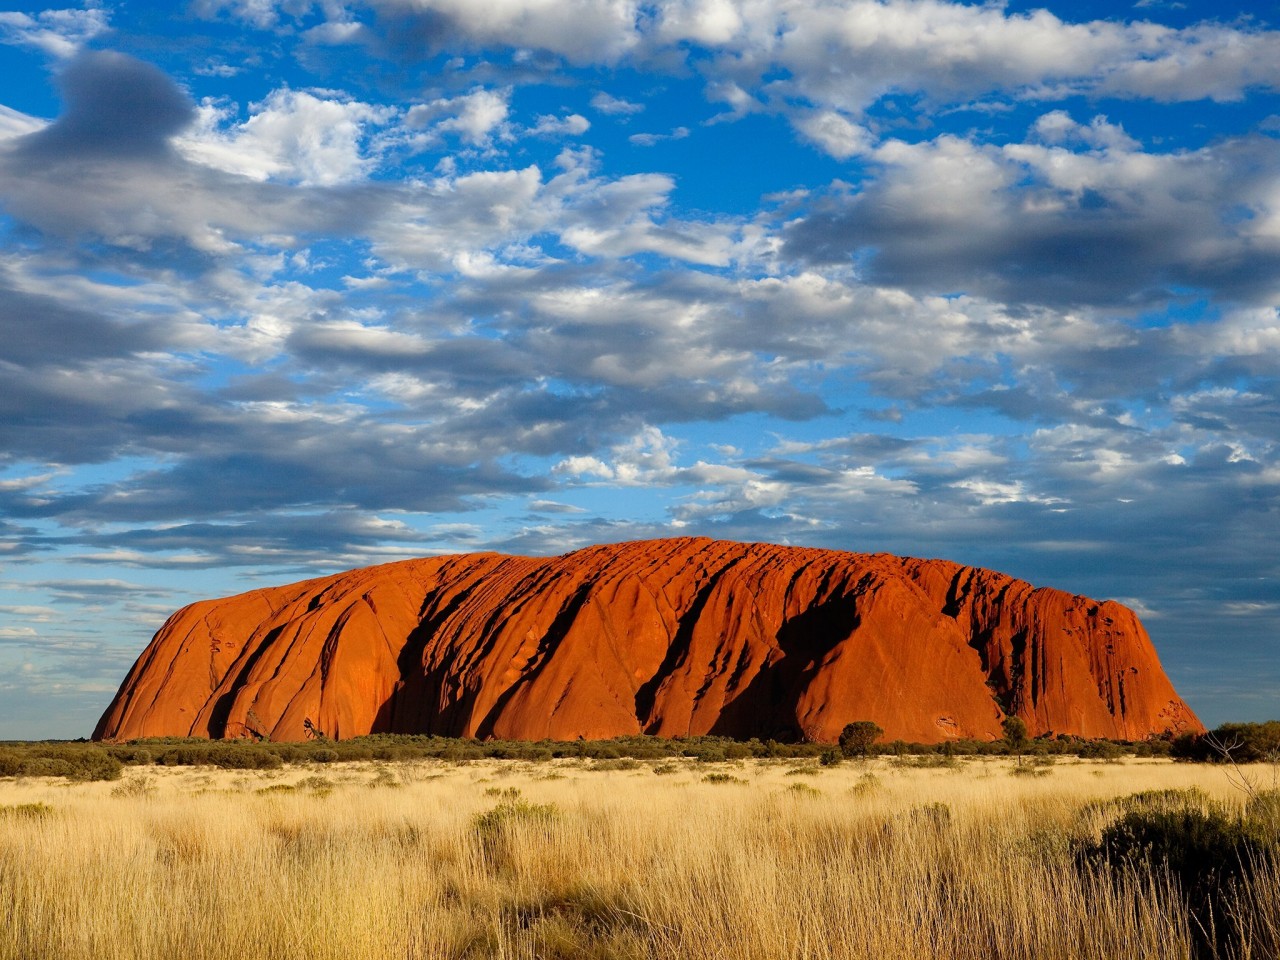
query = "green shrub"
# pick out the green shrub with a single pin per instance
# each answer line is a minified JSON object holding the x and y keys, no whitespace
{"x":804,"y":790}
{"x":494,"y":827}
{"x":27,"y":811}
{"x":866,"y":785}
{"x":508,"y":794}
{"x":1100,"y":750}
{"x":11,"y":763}
{"x":1030,"y":770}
{"x":621,"y":763}
{"x":722,"y":778}
{"x":78,"y":763}
{"x":1262,"y":814}
{"x":1015,"y":732}
{"x":857,"y":738}
{"x":935,"y":760}
{"x":320,"y":786}
{"x":1166,"y":801}
{"x":244,"y":758}
{"x":277,"y":788}
{"x":1209,"y":852}
{"x":134,"y":787}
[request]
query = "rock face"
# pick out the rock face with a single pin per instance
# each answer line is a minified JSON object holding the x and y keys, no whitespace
{"x":668,"y":637}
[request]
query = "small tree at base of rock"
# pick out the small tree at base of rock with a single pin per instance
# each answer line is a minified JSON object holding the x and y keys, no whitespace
{"x":1015,"y":734}
{"x":857,"y":737}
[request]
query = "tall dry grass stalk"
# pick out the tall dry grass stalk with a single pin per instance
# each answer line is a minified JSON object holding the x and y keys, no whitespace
{"x":362,"y":863}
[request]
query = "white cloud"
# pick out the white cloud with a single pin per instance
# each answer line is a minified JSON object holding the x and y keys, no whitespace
{"x":643,"y":459}
{"x":707,"y":22}
{"x":570,"y":125}
{"x":834,"y":133}
{"x":476,"y":117}
{"x":59,"y":33}
{"x":16,"y":124}
{"x":1057,"y":127}
{"x":614,"y":106}
{"x":292,"y":135}
{"x":262,"y":14}
{"x":581,"y":31}
{"x":652,"y":139}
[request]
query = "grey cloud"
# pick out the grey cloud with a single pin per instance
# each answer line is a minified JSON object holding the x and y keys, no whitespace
{"x":1009,"y":232}
{"x":95,"y":591}
{"x":115,"y":106}
{"x":37,"y":331}
{"x":303,"y":542}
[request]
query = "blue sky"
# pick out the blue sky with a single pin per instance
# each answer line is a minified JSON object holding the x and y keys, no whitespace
{"x":289,"y":288}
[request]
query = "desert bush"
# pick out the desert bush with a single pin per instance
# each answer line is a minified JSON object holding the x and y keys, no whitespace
{"x":134,"y":787}
{"x":1099,"y":750}
{"x":928,"y":760}
{"x":1262,"y":812}
{"x":493,"y":828}
{"x":804,"y":790}
{"x":26,"y":811}
{"x":856,"y":738}
{"x":245,"y":758}
{"x":803,"y":770}
{"x":11,"y":762}
{"x":131,"y":754}
{"x":1015,"y":732}
{"x":91,"y":763}
{"x":277,"y":788}
{"x":1209,"y":852}
{"x":1249,"y":742}
{"x":705,"y":754}
{"x":621,"y":763}
{"x":385,"y":777}
{"x":722,"y":778}
{"x":74,"y":761}
{"x":1231,"y":742}
{"x":1030,"y":770}
{"x":1165,"y":801}
{"x":866,"y":785}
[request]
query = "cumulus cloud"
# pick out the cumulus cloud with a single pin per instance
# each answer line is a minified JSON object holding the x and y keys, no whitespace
{"x":581,"y":31}
{"x":651,"y":139}
{"x":614,"y":106}
{"x":826,"y":64}
{"x":292,"y":135}
{"x":60,"y":33}
{"x":1040,"y":222}
{"x":569,"y":125}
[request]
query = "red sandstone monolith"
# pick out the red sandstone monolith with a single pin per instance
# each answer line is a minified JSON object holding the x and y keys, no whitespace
{"x":673,"y":637}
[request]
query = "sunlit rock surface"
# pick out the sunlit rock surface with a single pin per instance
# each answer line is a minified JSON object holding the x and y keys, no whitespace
{"x":668,"y":637}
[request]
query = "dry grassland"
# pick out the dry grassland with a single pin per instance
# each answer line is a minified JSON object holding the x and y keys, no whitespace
{"x":768,"y":860}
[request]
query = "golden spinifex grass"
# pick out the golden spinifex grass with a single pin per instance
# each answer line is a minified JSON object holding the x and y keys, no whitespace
{"x":506,"y":859}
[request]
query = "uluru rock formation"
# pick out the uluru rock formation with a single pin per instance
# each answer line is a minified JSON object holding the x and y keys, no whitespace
{"x":669,"y":637}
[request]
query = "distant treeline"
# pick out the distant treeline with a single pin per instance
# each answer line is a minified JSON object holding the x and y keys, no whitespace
{"x":82,"y":760}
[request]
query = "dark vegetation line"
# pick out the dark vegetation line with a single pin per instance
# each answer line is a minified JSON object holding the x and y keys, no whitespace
{"x":84,"y":760}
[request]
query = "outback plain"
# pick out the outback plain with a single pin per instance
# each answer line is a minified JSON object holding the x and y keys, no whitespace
{"x":882,"y":857}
